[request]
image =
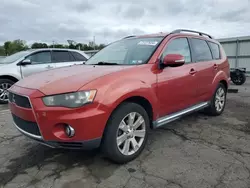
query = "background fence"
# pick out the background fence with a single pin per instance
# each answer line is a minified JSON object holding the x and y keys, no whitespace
{"x":238,"y":51}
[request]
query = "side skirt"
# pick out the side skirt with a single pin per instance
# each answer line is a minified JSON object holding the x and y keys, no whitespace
{"x":172,"y":117}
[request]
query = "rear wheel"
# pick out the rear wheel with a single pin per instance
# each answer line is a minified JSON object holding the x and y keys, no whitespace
{"x":126,"y":133}
{"x":5,"y":84}
{"x":218,"y":102}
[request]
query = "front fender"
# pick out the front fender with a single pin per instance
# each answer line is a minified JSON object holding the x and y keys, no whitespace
{"x":121,"y":90}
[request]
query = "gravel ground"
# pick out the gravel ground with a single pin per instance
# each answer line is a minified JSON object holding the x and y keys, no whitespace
{"x":195,"y":152}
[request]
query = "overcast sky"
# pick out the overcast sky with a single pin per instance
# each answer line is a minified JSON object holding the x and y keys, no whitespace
{"x":109,"y":20}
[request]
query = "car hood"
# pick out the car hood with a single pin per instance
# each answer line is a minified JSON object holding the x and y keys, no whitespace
{"x":67,"y":79}
{"x":5,"y":68}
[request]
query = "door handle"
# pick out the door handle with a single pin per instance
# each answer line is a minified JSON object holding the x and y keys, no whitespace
{"x":192,"y":71}
{"x":215,"y":66}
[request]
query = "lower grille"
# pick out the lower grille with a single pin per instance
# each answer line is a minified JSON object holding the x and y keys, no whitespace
{"x":27,"y":126}
{"x":19,"y":100}
{"x":76,"y":145}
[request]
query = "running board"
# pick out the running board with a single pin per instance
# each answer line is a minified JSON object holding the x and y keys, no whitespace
{"x":169,"y":118}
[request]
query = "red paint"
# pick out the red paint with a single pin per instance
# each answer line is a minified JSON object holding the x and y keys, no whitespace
{"x":167,"y":90}
{"x":173,"y":59}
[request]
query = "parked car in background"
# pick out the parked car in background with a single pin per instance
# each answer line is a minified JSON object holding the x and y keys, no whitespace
{"x":128,"y":87}
{"x":26,"y":63}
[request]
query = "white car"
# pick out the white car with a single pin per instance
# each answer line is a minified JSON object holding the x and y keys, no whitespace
{"x":25,"y":63}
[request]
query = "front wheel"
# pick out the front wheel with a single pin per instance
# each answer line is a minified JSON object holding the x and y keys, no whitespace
{"x":218,"y":102}
{"x":126,"y":133}
{"x":5,"y":84}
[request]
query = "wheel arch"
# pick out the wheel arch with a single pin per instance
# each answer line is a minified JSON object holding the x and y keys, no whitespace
{"x":220,"y":77}
{"x":224,"y":82}
{"x":12,"y":78}
{"x":141,"y":100}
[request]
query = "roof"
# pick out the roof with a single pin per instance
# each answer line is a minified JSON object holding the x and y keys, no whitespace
{"x":182,"y":32}
{"x":62,"y":49}
{"x":39,"y":49}
{"x":161,"y":34}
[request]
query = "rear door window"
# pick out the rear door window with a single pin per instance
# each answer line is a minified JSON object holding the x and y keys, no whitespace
{"x":215,"y":50}
{"x":62,"y":56}
{"x":201,"y":50}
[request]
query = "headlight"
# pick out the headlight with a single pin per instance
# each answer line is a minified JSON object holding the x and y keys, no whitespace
{"x":70,"y":100}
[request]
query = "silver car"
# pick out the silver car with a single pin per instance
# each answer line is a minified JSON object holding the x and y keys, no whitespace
{"x":25,"y":63}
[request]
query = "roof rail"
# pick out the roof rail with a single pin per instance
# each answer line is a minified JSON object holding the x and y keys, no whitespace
{"x":191,"y":31}
{"x":129,"y":36}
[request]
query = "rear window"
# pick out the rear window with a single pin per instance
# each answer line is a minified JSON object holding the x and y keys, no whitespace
{"x":215,"y":50}
{"x":201,"y":50}
{"x":78,"y":56}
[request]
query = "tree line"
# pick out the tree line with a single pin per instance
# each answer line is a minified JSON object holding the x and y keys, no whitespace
{"x":11,"y":47}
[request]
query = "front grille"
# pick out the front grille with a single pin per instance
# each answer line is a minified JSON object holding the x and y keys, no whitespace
{"x":19,"y":100}
{"x":27,"y":126}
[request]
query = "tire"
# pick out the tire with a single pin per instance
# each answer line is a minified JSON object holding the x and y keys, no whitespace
{"x":4,"y":84}
{"x":239,"y":79}
{"x":213,"y":109}
{"x":110,"y":147}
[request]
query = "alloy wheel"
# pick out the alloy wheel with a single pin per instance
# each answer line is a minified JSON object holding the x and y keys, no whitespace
{"x":4,"y":91}
{"x":131,"y":133}
{"x":220,"y":98}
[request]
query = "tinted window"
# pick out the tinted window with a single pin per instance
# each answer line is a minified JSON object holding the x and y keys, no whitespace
{"x":62,"y":56}
{"x":178,"y":46}
{"x":215,"y":50}
{"x":201,"y":50}
{"x":40,"y":57}
{"x":78,"y":56}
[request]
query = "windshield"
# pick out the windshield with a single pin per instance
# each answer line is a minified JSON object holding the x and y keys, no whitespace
{"x":127,"y":51}
{"x":14,"y":57}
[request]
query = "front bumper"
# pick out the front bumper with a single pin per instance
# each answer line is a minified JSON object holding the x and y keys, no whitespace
{"x":88,"y":121}
{"x":84,"y":145}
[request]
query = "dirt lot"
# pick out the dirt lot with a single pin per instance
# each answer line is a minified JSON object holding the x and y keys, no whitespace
{"x":197,"y":151}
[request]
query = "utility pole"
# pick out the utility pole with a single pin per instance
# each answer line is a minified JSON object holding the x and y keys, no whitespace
{"x":53,"y":44}
{"x":94,"y":42}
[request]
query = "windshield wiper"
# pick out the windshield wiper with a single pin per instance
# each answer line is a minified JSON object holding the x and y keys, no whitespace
{"x":105,"y":63}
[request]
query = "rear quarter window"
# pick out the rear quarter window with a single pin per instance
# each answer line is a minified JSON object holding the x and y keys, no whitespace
{"x":201,"y":50}
{"x":78,"y":56}
{"x":215,"y":50}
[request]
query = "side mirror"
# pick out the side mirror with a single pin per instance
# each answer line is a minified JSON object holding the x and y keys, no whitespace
{"x":174,"y":60}
{"x":25,"y":62}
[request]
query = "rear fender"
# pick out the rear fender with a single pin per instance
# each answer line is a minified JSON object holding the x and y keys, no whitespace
{"x":220,"y":76}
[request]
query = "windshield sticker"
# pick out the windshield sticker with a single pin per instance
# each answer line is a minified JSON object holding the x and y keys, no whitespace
{"x":150,"y":43}
{"x":136,"y":61}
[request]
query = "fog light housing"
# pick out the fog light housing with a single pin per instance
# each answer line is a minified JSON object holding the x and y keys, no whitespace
{"x":70,"y":131}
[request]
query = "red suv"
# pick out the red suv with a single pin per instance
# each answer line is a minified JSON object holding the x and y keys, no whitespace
{"x":131,"y":86}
